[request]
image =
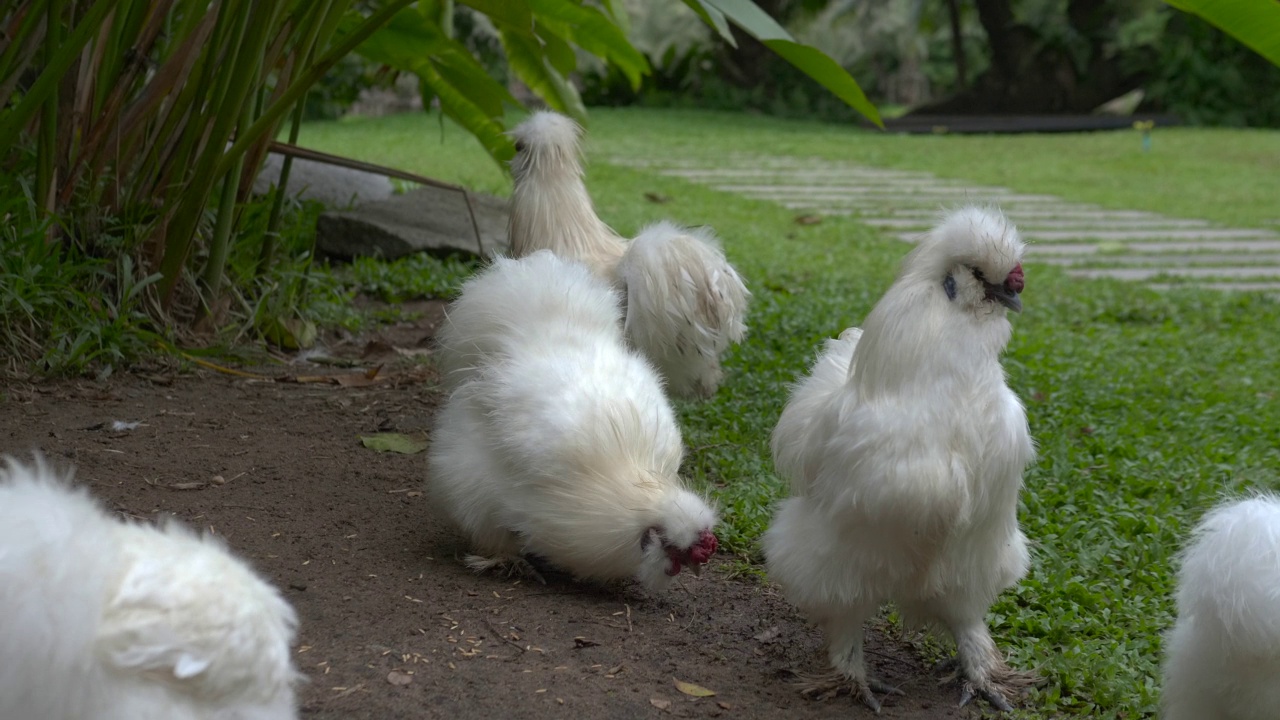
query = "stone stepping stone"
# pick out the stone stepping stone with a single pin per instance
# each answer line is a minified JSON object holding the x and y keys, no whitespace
{"x":1040,"y":249}
{"x":1021,"y":216}
{"x":1229,"y":287}
{"x":1131,"y":235}
{"x":1123,"y":244}
{"x":1049,"y":224}
{"x":1205,"y":259}
{"x":1187,"y":272}
{"x":781,"y":192}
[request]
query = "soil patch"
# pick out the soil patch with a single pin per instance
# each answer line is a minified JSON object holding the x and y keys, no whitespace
{"x":392,"y":625}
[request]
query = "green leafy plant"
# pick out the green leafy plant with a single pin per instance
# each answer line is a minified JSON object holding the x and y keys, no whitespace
{"x":161,"y":112}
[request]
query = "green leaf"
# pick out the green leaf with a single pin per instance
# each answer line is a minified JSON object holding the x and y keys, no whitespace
{"x":714,"y":18}
{"x":809,"y":60}
{"x":289,"y":333}
{"x":467,"y":93}
{"x":524,"y":55}
{"x":394,"y":442}
{"x":595,"y":32}
{"x":559,"y":52}
{"x":819,"y":66}
{"x":459,"y":107}
{"x":46,"y":83}
{"x":504,"y":12}
{"x":1255,"y":23}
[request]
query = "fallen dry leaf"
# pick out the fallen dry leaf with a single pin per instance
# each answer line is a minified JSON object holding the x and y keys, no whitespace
{"x":660,"y":703}
{"x":808,"y":219}
{"x":692,"y":690}
{"x":395,"y":677}
{"x":581,"y":642}
{"x":724,"y":705}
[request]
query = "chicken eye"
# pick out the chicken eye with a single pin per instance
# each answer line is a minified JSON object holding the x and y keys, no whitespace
{"x":977,"y":273}
{"x":949,"y":286}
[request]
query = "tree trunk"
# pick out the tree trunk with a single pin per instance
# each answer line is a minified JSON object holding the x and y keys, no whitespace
{"x":1028,"y":75}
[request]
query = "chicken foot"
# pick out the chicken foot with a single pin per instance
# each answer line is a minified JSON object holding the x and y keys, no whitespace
{"x":513,"y":564}
{"x":982,"y":671}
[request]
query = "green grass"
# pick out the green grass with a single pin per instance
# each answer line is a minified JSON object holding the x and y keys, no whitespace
{"x":1147,"y":406}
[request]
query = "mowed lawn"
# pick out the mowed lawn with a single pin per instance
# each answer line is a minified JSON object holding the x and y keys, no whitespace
{"x":1148,"y":406}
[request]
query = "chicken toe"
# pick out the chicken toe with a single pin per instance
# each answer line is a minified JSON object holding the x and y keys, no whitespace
{"x":514,"y":565}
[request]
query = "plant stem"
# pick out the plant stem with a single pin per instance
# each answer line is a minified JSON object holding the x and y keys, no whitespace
{"x":277,"y":200}
{"x":47,"y":147}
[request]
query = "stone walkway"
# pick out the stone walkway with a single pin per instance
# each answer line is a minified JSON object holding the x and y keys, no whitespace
{"x":1087,"y":240}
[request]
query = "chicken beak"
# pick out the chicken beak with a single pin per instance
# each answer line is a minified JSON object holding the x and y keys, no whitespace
{"x":1004,"y":295}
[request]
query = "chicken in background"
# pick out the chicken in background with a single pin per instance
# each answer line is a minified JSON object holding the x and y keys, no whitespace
{"x":107,"y":620}
{"x":684,"y":303}
{"x":1223,"y":656}
{"x":905,"y":450}
{"x":557,"y":440}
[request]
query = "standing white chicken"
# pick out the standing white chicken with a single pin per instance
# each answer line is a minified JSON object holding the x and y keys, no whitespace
{"x":104,"y":620}
{"x":685,"y":304}
{"x":905,"y":451}
{"x":1223,"y":656}
{"x":557,"y":440}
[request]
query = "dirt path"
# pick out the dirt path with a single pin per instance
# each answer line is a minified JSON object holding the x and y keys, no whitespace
{"x":392,"y":625}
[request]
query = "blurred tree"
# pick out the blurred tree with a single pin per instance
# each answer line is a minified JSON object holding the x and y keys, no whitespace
{"x":1068,"y":62}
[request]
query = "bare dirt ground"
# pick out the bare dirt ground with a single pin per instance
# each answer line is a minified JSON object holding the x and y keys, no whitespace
{"x":392,"y":625}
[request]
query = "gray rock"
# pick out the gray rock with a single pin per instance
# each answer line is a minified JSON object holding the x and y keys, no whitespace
{"x":428,"y":219}
{"x":334,"y":186}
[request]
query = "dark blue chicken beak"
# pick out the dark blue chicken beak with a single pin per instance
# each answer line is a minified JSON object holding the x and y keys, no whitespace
{"x":1004,"y":295}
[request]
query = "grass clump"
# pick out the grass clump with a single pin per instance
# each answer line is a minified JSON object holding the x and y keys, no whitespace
{"x":1148,"y":406}
{"x":63,"y":309}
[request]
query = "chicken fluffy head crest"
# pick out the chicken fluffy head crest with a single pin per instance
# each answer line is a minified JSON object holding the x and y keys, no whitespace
{"x":976,"y":257}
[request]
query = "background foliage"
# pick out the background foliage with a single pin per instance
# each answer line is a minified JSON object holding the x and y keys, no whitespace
{"x":139,"y":126}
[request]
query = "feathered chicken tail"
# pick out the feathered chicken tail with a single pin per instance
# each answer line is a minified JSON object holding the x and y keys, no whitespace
{"x":550,"y":206}
{"x":515,"y":301}
{"x":1228,"y":616}
{"x":685,"y":304}
{"x":795,"y":428}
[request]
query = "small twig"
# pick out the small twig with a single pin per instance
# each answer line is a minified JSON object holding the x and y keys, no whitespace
{"x":348,"y":691}
{"x":502,"y":637}
{"x":628,"y":616}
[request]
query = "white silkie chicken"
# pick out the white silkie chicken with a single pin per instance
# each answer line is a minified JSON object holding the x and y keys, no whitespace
{"x":557,"y":441}
{"x":905,"y":451}
{"x":107,"y":620}
{"x":1223,"y":656}
{"x":684,"y":303}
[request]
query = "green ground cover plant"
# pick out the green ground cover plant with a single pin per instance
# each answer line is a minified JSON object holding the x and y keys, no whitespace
{"x":1148,"y":406}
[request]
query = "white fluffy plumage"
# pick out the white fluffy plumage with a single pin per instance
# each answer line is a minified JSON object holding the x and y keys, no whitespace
{"x":685,"y":304}
{"x":1223,"y":656}
{"x":106,"y":620}
{"x":905,"y":450}
{"x":557,"y":440}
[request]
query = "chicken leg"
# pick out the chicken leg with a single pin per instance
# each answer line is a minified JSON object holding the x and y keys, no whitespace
{"x":982,"y":670}
{"x":844,"y":633}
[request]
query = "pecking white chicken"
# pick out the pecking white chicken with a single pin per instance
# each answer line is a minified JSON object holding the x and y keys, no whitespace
{"x":905,"y":451}
{"x":557,"y":441}
{"x":1223,"y":656}
{"x":684,"y":303}
{"x":105,"y":620}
